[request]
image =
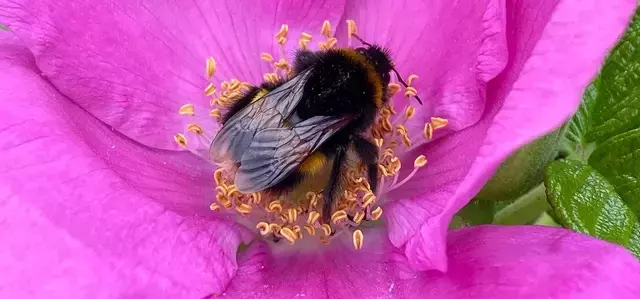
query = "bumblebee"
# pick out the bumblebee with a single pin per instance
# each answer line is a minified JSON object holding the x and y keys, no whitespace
{"x":296,"y":133}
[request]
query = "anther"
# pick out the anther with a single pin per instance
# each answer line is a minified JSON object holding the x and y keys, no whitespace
{"x":368,"y":199}
{"x":357,"y":218}
{"x":410,"y":92}
{"x":376,"y":213}
{"x":420,"y":161}
{"x":187,"y":109}
{"x":282,"y":64}
{"x":305,"y":39}
{"x":313,"y":217}
{"x":217,"y":176}
{"x":215,"y":113}
{"x":288,"y":234}
{"x":428,"y":131}
{"x":264,"y":228}
{"x":195,"y":129}
{"x":274,"y":228}
{"x":214,"y":207}
{"x":351,"y":28}
{"x":411,"y":78}
{"x":409,"y":112}
{"x":292,"y":215}
{"x":358,"y":239}
{"x":266,"y":57}
{"x":275,"y":206}
{"x":244,"y":208}
{"x":326,"y":29}
{"x":331,"y":42}
{"x":327,"y":229}
{"x":211,"y":67}
{"x":210,"y":90}
{"x":406,"y":141}
{"x":438,"y":122}
{"x":282,"y":33}
{"x":310,"y":230}
{"x":271,"y":77}
{"x":296,"y":229}
{"x":180,"y":139}
{"x":338,"y":216}
{"x":256,"y":197}
{"x":378,"y":141}
{"x":393,"y":88}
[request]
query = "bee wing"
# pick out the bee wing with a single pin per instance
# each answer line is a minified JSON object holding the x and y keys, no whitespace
{"x":275,"y":153}
{"x":268,"y":112}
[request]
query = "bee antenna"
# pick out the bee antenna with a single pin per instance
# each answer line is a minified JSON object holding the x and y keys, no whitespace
{"x":361,"y":40}
{"x":405,"y":84}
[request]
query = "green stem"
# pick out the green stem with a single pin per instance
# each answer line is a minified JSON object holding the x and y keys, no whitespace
{"x":525,"y":209}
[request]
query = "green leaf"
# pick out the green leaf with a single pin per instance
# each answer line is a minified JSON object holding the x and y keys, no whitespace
{"x":583,"y":200}
{"x":574,"y":139}
{"x":618,"y":160}
{"x":617,"y":103}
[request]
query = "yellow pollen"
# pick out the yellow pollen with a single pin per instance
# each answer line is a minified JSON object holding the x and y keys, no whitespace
{"x":271,"y":77}
{"x":284,"y":30}
{"x":310,"y":230}
{"x":292,"y":215}
{"x":264,"y":228}
{"x":195,"y":129}
{"x":420,"y":161}
{"x":214,"y":207}
{"x":211,"y":67}
{"x":410,"y":92}
{"x":338,"y":216}
{"x":313,"y":217}
{"x":358,"y":239}
{"x":282,"y":64}
{"x":326,"y":29}
{"x":187,"y":109}
{"x":288,"y":234}
{"x":244,"y":208}
{"x":215,"y":113}
{"x":351,"y":28}
{"x":368,"y":199}
{"x":378,"y":141}
{"x":357,"y":218}
{"x":376,"y":213}
{"x":266,"y":57}
{"x":180,"y":139}
{"x":210,"y":90}
{"x":438,"y":122}
{"x":275,"y":206}
{"x":393,"y":88}
{"x":409,"y":112}
{"x":411,"y":78}
{"x":327,"y":229}
{"x":428,"y":131}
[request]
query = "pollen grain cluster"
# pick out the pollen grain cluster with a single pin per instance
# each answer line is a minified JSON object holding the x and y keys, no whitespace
{"x":292,"y":219}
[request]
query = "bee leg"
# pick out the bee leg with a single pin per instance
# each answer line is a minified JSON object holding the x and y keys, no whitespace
{"x":368,"y":152}
{"x":331,"y":192}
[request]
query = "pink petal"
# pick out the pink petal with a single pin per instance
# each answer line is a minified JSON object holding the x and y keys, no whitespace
{"x":486,"y":262}
{"x":88,"y":213}
{"x":132,"y":64}
{"x":454,"y":48}
{"x":555,"y":49}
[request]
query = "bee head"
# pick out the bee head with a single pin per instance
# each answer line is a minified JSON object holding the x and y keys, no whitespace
{"x":383,"y":65}
{"x":379,"y":58}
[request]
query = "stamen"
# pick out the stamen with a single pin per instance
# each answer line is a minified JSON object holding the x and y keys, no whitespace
{"x":313,"y":217}
{"x":351,"y":28}
{"x":215,"y":113}
{"x":331,"y":42}
{"x":358,"y":217}
{"x":358,"y":239}
{"x":195,"y":129}
{"x":264,"y":228}
{"x":288,"y":234}
{"x":244,"y":208}
{"x":376,"y":213}
{"x":393,"y":88}
{"x":368,"y":199}
{"x":214,"y":207}
{"x":274,"y":228}
{"x":428,"y":131}
{"x":411,"y":78}
{"x":296,"y":229}
{"x":271,"y":77}
{"x":420,"y":161}
{"x":410,"y":92}
{"x":275,"y":206}
{"x":305,"y":39}
{"x":292,"y":215}
{"x":438,"y":122}
{"x":378,"y":141}
{"x":180,"y":139}
{"x":266,"y":57}
{"x":211,"y":67}
{"x":282,"y":33}
{"x":409,"y":112}
{"x":187,"y":109}
{"x":326,"y":29}
{"x":327,"y":229}
{"x":338,"y":216}
{"x":310,"y":230}
{"x":210,"y":90}
{"x":217,"y":176}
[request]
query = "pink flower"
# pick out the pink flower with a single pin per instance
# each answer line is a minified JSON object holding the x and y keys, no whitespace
{"x":99,"y":202}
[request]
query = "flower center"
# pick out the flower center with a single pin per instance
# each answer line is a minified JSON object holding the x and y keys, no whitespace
{"x":297,"y":215}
